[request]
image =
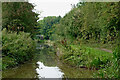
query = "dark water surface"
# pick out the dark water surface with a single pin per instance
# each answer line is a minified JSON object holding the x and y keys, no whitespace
{"x":46,"y":65}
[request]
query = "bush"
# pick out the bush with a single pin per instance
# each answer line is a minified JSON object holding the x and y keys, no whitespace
{"x":18,"y":47}
{"x":8,"y":62}
{"x":112,"y":69}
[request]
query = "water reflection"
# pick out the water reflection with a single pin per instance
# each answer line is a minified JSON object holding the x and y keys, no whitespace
{"x":48,"y":72}
{"x":48,"y":67}
{"x":26,"y":70}
{"x":47,"y":64}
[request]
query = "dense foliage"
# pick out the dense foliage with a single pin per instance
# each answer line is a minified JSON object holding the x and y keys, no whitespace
{"x":82,"y":56}
{"x":47,"y":24}
{"x":16,"y":48}
{"x":91,"y":21}
{"x":19,"y":16}
{"x":18,"y":30}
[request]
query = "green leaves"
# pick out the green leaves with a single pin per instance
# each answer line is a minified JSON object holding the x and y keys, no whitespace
{"x":90,"y":21}
{"x":46,"y":26}
{"x":19,"y":47}
{"x":18,"y":16}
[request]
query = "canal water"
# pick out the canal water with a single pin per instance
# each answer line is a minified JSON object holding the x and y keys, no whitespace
{"x":46,"y":65}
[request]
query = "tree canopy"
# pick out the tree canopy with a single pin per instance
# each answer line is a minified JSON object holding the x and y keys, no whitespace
{"x":90,"y":21}
{"x":47,"y":24}
{"x":19,"y":16}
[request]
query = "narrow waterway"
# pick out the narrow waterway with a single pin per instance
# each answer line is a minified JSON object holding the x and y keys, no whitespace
{"x":46,"y":65}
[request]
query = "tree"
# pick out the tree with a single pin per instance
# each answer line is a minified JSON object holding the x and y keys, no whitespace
{"x":18,"y":16}
{"x":46,"y":25}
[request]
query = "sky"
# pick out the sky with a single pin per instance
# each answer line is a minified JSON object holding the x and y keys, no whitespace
{"x":53,"y":7}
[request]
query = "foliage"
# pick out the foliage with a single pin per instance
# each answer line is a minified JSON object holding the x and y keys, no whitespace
{"x":16,"y":48}
{"x":76,"y":55}
{"x":93,"y":23}
{"x":19,"y":16}
{"x":47,"y":24}
{"x":90,"y":21}
{"x":111,"y":70}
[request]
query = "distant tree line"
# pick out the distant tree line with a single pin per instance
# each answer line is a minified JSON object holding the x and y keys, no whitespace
{"x":46,"y":26}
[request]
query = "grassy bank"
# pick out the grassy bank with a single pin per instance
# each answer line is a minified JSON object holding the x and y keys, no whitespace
{"x":83,"y":56}
{"x":95,"y":44}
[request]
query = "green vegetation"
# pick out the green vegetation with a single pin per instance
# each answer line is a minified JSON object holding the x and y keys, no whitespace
{"x":96,"y":22}
{"x":91,"y":58}
{"x":18,"y":16}
{"x":82,"y":56}
{"x":18,"y":32}
{"x":111,"y":70}
{"x":46,"y":26}
{"x":78,"y":36}
{"x":16,"y":48}
{"x":86,"y":27}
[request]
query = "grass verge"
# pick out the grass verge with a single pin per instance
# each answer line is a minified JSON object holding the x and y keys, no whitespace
{"x":83,"y":56}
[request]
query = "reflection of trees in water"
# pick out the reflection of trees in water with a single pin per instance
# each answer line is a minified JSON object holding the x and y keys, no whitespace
{"x":26,"y":70}
{"x":73,"y":72}
{"x":47,"y":56}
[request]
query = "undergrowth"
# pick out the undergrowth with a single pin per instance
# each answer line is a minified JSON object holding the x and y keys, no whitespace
{"x":16,"y":48}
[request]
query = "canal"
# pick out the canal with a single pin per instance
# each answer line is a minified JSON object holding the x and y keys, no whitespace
{"x":46,"y":65}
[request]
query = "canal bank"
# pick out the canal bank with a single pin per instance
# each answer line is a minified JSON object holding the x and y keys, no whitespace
{"x":41,"y":67}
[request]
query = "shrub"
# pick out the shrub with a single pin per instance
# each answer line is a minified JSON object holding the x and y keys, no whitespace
{"x":8,"y":62}
{"x":18,"y":47}
{"x":112,"y":69}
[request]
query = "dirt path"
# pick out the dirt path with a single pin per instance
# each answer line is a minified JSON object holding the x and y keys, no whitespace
{"x":110,"y":51}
